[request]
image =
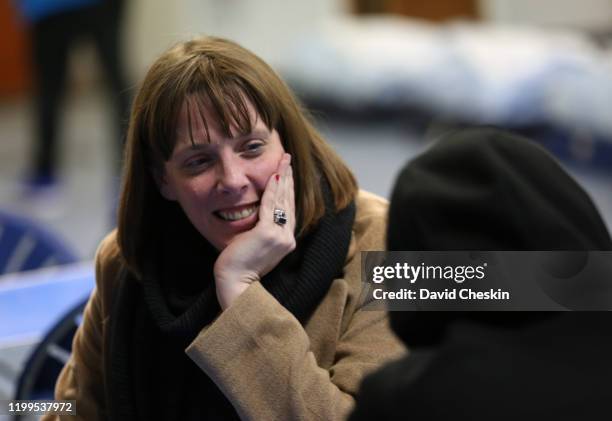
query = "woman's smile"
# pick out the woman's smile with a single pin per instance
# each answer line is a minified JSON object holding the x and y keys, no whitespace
{"x":238,"y":218}
{"x":237,"y":212}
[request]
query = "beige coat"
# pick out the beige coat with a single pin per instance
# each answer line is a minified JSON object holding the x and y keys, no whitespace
{"x":268,"y":365}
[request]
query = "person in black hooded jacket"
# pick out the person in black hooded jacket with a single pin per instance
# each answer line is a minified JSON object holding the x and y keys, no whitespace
{"x":483,"y":189}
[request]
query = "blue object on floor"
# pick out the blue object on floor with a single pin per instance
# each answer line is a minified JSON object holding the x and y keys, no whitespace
{"x":32,"y":302}
{"x":26,"y":244}
{"x":43,"y":366}
{"x":43,"y":306}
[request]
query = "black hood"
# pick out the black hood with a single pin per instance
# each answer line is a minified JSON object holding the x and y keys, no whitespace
{"x":484,"y":189}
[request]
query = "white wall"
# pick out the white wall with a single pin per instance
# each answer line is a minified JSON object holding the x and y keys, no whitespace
{"x":267,"y":27}
{"x":588,"y":14}
{"x":150,"y":27}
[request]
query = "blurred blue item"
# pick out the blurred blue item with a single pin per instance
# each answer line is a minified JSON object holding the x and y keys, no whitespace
{"x":31,"y":302}
{"x":36,"y":307}
{"x":40,"y":371}
{"x":25,"y":245}
{"x":40,"y":182}
{"x":581,"y":147}
{"x":34,"y":10}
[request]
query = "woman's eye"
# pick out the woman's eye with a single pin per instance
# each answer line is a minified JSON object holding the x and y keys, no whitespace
{"x":197,"y":162}
{"x":253,"y":147}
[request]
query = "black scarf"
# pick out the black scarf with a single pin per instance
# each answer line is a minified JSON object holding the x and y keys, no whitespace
{"x":148,"y":374}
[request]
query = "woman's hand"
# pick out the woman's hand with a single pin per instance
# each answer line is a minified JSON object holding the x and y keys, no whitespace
{"x":254,"y":253}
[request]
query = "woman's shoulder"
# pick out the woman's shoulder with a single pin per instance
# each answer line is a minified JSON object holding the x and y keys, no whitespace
{"x":108,"y":253}
{"x":370,"y":220}
{"x":109,"y":263}
{"x":369,"y":233}
{"x":370,"y":205}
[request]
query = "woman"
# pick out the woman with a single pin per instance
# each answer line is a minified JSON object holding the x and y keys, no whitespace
{"x":230,"y":288}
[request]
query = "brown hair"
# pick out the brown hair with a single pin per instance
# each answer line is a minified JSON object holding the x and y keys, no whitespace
{"x":224,"y":75}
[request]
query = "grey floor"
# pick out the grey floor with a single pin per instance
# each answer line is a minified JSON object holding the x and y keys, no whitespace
{"x":80,"y":210}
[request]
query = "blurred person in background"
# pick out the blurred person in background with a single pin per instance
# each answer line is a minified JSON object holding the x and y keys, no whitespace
{"x":483,"y":189}
{"x":231,"y":287}
{"x":56,"y":28}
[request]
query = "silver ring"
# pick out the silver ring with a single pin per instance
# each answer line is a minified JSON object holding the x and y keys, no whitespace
{"x":280,"y":217}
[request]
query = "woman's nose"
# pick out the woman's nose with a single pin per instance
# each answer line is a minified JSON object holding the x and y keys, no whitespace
{"x":232,"y":177}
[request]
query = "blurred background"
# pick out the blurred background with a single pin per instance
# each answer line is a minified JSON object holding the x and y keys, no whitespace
{"x":382,"y":77}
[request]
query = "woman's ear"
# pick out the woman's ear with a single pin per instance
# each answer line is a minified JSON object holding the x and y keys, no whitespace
{"x":165,"y":188}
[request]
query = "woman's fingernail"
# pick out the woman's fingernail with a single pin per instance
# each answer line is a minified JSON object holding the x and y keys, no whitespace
{"x":277,"y":177}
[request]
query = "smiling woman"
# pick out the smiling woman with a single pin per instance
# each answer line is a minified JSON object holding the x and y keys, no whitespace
{"x":218,"y":178}
{"x":231,"y":287}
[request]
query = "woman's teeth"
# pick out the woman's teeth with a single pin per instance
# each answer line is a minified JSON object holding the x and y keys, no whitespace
{"x":234,"y":216}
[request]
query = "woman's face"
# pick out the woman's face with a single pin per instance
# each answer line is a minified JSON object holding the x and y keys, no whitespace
{"x":219,"y":184}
